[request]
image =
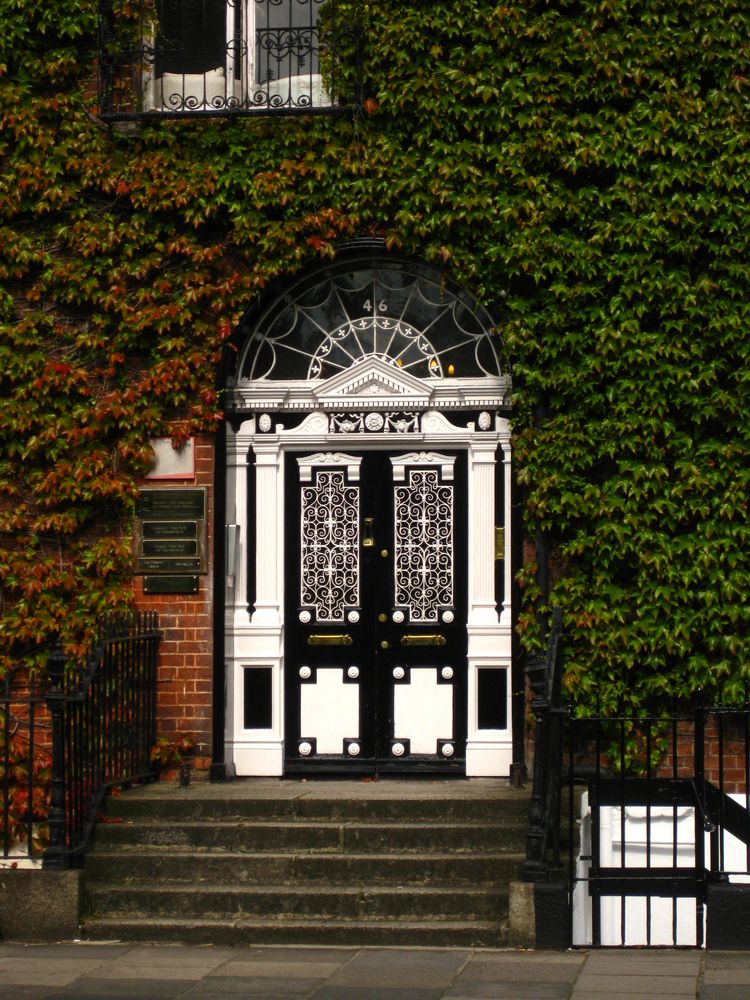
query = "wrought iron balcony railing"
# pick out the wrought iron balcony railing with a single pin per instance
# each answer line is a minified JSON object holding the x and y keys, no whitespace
{"x":217,"y":57}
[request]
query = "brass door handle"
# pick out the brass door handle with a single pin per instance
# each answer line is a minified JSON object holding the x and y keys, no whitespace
{"x":423,"y":640}
{"x":341,"y":639}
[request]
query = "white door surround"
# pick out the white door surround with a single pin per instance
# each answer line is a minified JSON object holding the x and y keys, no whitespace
{"x":372,"y":405}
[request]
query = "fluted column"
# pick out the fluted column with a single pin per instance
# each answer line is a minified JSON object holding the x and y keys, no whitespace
{"x":238,"y":451}
{"x":269,"y":506}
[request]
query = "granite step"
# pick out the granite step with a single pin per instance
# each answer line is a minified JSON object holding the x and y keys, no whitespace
{"x":134,"y":864}
{"x":355,"y":836}
{"x":202,"y":930}
{"x":414,"y":902}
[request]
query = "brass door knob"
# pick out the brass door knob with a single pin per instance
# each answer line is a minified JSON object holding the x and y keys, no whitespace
{"x":382,"y":618}
{"x":384,"y":644}
{"x":384,"y":553}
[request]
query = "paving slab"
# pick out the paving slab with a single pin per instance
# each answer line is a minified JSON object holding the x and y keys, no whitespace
{"x":636,"y":986}
{"x":727,"y":977}
{"x":519,"y":969}
{"x":164,"y":989}
{"x":115,"y":996}
{"x":160,"y":962}
{"x":727,"y":968}
{"x":245,"y":986}
{"x":655,"y":994}
{"x":24,"y":993}
{"x":277,"y":969}
{"x":178,"y":972}
{"x":376,"y":993}
{"x":507,"y":991}
{"x":635,"y":961}
{"x":77,"y":950}
{"x":727,"y":959}
{"x":386,"y":968}
{"x":291,"y":953}
{"x":219,"y":995}
{"x":27,"y":971}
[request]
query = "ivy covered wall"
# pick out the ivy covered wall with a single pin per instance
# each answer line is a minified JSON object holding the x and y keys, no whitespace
{"x":585,"y":165}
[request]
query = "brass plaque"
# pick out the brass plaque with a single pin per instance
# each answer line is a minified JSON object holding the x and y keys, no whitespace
{"x":170,"y":585}
{"x":171,"y":504}
{"x":169,"y":547}
{"x":170,"y":529}
{"x":171,"y":532}
{"x":169,"y":566}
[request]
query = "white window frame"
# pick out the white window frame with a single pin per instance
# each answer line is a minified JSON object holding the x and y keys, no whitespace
{"x":219,"y":88}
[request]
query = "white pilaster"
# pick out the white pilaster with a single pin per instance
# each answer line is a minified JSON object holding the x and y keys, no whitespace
{"x":482,"y":609}
{"x":506,"y":613}
{"x":238,"y":447}
{"x":269,"y":540}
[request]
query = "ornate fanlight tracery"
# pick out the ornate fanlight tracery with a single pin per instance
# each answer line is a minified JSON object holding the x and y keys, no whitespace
{"x":403,"y":314}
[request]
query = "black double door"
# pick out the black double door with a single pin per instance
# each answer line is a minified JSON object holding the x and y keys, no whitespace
{"x":375,"y":616}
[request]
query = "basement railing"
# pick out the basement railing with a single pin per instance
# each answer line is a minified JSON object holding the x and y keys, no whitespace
{"x":658,"y":817}
{"x":69,"y":736}
{"x":183,"y":58}
{"x":664,"y":851}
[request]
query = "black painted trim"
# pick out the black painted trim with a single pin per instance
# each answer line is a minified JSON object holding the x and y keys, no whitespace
{"x":218,"y":770}
{"x":519,"y":772}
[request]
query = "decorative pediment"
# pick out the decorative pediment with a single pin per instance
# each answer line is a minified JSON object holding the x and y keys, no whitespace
{"x":371,"y":378}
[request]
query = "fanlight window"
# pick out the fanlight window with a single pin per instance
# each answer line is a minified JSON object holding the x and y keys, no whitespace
{"x":404,"y":315}
{"x":193,"y":56}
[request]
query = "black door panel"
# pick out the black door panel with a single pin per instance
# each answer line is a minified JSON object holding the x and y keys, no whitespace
{"x":375,"y":636}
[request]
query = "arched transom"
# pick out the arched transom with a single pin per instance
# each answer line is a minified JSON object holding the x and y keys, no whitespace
{"x":402,"y":314}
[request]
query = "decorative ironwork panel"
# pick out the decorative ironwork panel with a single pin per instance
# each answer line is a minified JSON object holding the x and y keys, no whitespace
{"x":330,"y":546}
{"x":183,"y":57}
{"x":423,"y":534}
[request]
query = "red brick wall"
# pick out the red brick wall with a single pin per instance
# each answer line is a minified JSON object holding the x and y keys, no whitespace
{"x":184,"y":692}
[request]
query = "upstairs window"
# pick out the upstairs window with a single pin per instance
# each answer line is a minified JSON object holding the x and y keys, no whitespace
{"x":218,"y":56}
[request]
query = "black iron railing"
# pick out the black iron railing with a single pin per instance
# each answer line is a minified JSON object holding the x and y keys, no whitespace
{"x":665,"y":814}
{"x":225,"y":57}
{"x":73,"y":733}
{"x":543,"y":836}
{"x":25,"y":765}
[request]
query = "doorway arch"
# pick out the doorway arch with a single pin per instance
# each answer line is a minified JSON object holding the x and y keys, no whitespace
{"x":368,"y":572}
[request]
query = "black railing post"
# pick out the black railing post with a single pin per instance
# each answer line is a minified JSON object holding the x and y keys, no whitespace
{"x":57,"y":854}
{"x":544,"y":807}
{"x":534,"y":868}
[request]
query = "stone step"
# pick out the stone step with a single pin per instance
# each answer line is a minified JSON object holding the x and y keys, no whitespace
{"x":132,"y":864}
{"x":383,"y":863}
{"x":232,"y":902}
{"x":186,"y":804}
{"x":309,"y":836}
{"x":295,"y":930}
